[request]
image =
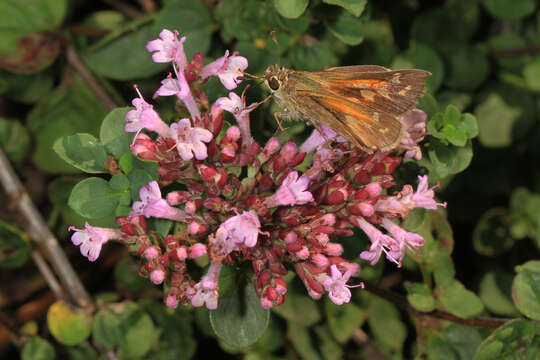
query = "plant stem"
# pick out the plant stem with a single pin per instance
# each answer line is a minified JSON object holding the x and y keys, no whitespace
{"x":40,"y":233}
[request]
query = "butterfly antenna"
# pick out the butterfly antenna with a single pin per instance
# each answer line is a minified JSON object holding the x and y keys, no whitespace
{"x":274,"y":39}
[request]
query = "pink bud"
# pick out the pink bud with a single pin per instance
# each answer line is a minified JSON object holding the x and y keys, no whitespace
{"x":333,"y":249}
{"x":303,"y":253}
{"x":233,"y":133}
{"x":280,"y":285}
{"x":195,"y":228}
{"x":181,"y":253}
{"x":197,"y":250}
{"x":171,"y":301}
{"x":157,"y":276}
{"x":265,"y":303}
{"x":291,"y":237}
{"x":191,"y":207}
{"x":151,"y":253}
{"x":373,"y":189}
{"x":271,"y":146}
{"x":320,"y":260}
{"x":366,"y":209}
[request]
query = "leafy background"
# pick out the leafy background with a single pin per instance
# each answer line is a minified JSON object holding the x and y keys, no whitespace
{"x":481,"y":255}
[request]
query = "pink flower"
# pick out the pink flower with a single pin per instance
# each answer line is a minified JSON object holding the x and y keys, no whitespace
{"x":92,"y":238}
{"x":190,"y":140}
{"x":316,"y":139}
{"x":221,"y":244}
{"x":168,"y":48}
{"x":377,"y":238}
{"x":153,"y":205}
{"x":144,"y":117}
{"x":206,"y":290}
{"x":236,"y":105}
{"x":424,"y":196}
{"x":228,"y":69}
{"x":338,"y":290}
{"x":180,"y":88}
{"x":403,"y":238}
{"x":243,"y":228}
{"x":414,"y":131}
{"x":291,"y":192}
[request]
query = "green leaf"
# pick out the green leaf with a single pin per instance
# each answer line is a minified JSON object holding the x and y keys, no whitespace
{"x":469,"y":68}
{"x":83,"y":151}
{"x":531,"y":73}
{"x":446,"y":160}
{"x":343,"y":320}
{"x":135,"y":63}
{"x":67,"y":326}
{"x":71,"y":108}
{"x":355,"y":7}
{"x":298,"y":308}
{"x":138,"y":178}
{"x":291,"y":9}
{"x":313,"y":57}
{"x":112,"y":134}
{"x":301,"y":341}
{"x":239,"y":319}
{"x":383,"y":319}
{"x":14,"y":247}
{"x":510,"y":10}
{"x":38,"y":348}
{"x":516,"y":335}
{"x":94,"y":198}
{"x":491,"y":235}
{"x":106,"y":330}
{"x":192,"y":18}
{"x":28,"y":89}
{"x":495,"y":290}
{"x":81,"y":352}
{"x":526,"y":289}
{"x":272,"y":338}
{"x":419,"y":296}
{"x":14,"y":139}
{"x":138,"y":332}
{"x":459,"y":301}
{"x":330,"y":349}
{"x":20,"y":19}
{"x":347,"y":29}
{"x":495,"y":121}
{"x":463,"y":339}
{"x":461,"y":100}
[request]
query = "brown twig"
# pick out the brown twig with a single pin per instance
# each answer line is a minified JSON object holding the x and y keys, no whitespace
{"x":361,"y":338}
{"x":517,"y":51}
{"x":40,"y":233}
{"x":75,"y":61}
{"x":125,"y":8}
{"x":88,"y":31}
{"x":402,"y":303}
{"x":47,"y":274}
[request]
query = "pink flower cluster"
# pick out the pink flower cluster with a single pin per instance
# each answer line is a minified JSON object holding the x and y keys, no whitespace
{"x":245,"y":202}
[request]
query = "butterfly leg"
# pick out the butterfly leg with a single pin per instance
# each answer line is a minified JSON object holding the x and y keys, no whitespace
{"x":277,"y":115}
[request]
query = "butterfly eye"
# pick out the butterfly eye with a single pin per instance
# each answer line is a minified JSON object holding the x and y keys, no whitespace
{"x":273,"y":83}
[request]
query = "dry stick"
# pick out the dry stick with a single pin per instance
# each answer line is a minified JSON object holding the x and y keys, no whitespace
{"x":45,"y":270}
{"x":75,"y":61}
{"x":40,"y":233}
{"x":402,"y":303}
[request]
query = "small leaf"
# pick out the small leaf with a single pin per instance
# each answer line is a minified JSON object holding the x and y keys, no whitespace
{"x":459,"y":301}
{"x":291,"y":9}
{"x":347,"y":29}
{"x":495,"y":121}
{"x":343,"y":320}
{"x":106,"y":329}
{"x":239,"y":319}
{"x":531,"y":73}
{"x":93,"y":198}
{"x":67,"y":326}
{"x":355,"y":7}
{"x":301,"y":341}
{"x":469,"y":68}
{"x":383,"y":319}
{"x":138,"y":332}
{"x":83,"y":151}
{"x":491,"y":235}
{"x":112,"y":133}
{"x":330,"y":349}
{"x":505,"y":340}
{"x":298,"y":308}
{"x":14,"y":139}
{"x":38,"y":348}
{"x":419,"y":295}
{"x":526,"y":289}
{"x":513,"y":10}
{"x":495,"y":290}
{"x":14,"y":247}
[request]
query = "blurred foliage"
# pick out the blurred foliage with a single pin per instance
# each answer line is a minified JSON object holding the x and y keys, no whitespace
{"x":483,"y":98}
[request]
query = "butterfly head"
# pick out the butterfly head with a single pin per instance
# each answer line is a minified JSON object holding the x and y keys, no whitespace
{"x":274,"y":77}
